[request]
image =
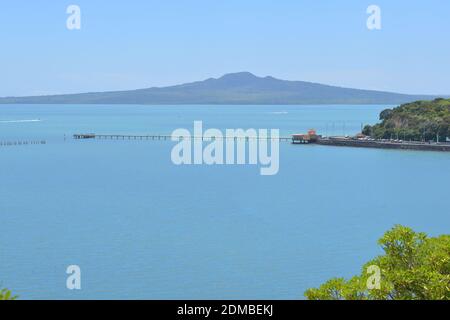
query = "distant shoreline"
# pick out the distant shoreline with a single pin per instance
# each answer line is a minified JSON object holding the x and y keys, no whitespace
{"x":414,"y":145}
{"x":242,"y":88}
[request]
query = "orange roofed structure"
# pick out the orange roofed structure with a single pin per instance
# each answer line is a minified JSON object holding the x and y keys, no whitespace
{"x":311,"y":136}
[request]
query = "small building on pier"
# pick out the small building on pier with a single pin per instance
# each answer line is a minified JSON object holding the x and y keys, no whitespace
{"x":309,"y":137}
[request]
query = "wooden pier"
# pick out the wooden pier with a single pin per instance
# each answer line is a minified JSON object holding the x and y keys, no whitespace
{"x":295,"y":139}
{"x":169,"y":137}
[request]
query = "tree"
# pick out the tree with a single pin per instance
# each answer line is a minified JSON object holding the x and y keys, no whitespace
{"x":413,"y":267}
{"x":6,"y":295}
{"x":367,"y":130}
{"x":385,"y":114}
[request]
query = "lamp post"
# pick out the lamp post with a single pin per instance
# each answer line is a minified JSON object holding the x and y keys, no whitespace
{"x":437,"y":134}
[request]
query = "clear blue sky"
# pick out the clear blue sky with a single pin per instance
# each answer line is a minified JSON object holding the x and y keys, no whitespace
{"x":136,"y":44}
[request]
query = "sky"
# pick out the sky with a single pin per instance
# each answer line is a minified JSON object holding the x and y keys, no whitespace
{"x":144,"y":43}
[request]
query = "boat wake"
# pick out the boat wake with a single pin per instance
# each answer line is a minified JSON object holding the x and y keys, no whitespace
{"x":279,"y":112}
{"x":20,"y":121}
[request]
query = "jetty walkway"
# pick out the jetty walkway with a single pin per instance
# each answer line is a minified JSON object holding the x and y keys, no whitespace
{"x":295,"y":139}
{"x":169,"y":137}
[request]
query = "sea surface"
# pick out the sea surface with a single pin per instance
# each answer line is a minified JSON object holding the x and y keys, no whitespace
{"x":141,"y":227}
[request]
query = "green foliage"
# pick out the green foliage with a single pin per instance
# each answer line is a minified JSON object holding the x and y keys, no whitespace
{"x":6,"y":295}
{"x":418,"y":121}
{"x":414,"y":267}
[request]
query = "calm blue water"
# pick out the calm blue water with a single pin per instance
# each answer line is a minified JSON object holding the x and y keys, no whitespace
{"x":141,"y":227}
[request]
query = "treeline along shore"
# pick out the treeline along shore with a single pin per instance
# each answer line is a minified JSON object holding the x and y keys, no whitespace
{"x":416,"y":121}
{"x":421,"y":125}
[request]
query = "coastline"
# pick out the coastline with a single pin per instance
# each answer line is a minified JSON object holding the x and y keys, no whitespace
{"x":421,"y":146}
